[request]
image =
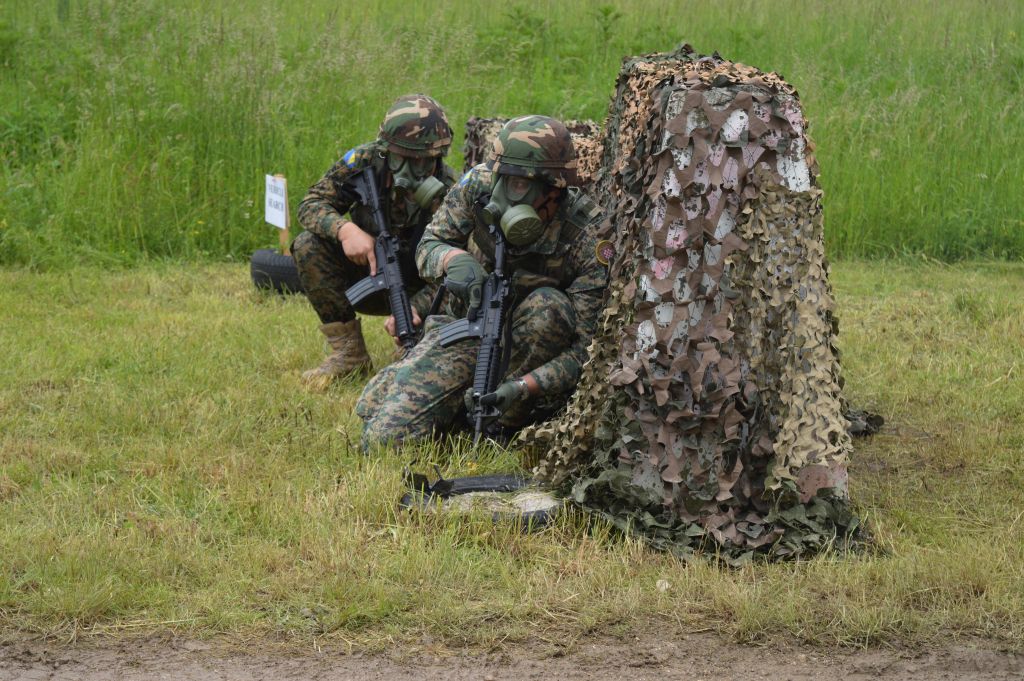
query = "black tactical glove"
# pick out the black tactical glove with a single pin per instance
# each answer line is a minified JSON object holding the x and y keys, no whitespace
{"x":465,"y":278}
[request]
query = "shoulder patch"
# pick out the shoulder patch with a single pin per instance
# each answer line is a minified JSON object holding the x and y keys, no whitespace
{"x":350,"y":158}
{"x":474,"y":183}
{"x":605,"y":251}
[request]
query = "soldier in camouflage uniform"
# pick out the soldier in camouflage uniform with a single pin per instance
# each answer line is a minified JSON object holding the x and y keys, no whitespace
{"x":559,"y":274}
{"x":334,"y":253}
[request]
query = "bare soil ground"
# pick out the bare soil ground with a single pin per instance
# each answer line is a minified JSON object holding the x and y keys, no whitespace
{"x":694,"y":656}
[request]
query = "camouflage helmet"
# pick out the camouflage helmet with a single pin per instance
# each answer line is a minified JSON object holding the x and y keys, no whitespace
{"x":535,"y":146}
{"x":416,"y":125}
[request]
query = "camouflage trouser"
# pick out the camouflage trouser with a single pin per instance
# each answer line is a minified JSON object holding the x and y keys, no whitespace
{"x":422,"y":395}
{"x":326,"y":273}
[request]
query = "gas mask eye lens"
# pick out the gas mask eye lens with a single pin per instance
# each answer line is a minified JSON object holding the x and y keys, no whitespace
{"x":516,"y":188}
{"x":414,"y":180}
{"x":421,"y":167}
{"x":395,"y":162}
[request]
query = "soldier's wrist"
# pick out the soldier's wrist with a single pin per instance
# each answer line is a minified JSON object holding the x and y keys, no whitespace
{"x":343,"y":229}
{"x":449,"y":256}
{"x":529,"y":384}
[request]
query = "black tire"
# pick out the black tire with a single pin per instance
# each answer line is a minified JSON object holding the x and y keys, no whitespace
{"x":271,"y":270}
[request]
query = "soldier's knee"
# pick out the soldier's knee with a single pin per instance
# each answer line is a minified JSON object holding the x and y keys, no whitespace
{"x":546,"y":311}
{"x":393,"y":420}
{"x":368,"y":403}
{"x":391,"y":430}
{"x":303,"y":244}
{"x":308,"y":248}
{"x":373,"y":435}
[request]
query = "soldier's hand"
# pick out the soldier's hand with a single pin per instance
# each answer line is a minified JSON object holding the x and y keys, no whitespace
{"x":465,"y":278}
{"x":389,"y":325}
{"x":508,"y":394}
{"x":358,"y":246}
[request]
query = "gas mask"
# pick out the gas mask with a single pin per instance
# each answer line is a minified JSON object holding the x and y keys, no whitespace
{"x":414,"y":179}
{"x":511,"y":207}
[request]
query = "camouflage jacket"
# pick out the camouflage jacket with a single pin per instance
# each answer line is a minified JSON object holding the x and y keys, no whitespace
{"x":565,"y":258}
{"x":329,"y":199}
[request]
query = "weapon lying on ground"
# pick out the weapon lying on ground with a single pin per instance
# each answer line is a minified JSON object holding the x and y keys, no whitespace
{"x":389,"y":272}
{"x":488,"y":323}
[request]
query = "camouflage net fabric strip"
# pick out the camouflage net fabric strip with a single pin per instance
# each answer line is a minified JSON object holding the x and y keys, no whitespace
{"x":586,"y":139}
{"x":710,"y":416}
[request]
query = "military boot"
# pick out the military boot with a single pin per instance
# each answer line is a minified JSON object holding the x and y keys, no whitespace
{"x":349,"y":355}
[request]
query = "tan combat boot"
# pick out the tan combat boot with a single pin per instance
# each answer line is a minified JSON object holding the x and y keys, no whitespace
{"x":349,"y":355}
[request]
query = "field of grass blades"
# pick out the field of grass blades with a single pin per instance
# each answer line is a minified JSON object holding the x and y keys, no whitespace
{"x":140,"y":131}
{"x":162,"y":469}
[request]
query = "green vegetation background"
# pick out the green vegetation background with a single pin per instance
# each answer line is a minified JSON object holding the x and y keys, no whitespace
{"x":140,"y":130}
{"x":187,"y":481}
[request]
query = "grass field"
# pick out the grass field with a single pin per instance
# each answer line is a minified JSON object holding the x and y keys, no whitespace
{"x":161,"y":469}
{"x":139,"y":131}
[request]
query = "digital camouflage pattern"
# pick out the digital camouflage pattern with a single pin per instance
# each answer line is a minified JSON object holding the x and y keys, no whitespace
{"x":323,"y":208}
{"x":535,"y":147}
{"x":564,"y":258}
{"x":416,"y":125}
{"x":558,"y":287}
{"x":586,"y":140}
{"x":421,"y":395}
{"x":326,"y":274}
{"x":324,"y":270}
{"x":709,"y":416}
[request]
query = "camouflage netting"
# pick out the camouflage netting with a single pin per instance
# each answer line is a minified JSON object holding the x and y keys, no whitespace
{"x":710,"y":415}
{"x":586,"y":136}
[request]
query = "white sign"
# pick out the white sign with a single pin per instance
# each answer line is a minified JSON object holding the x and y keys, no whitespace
{"x":277,"y":201}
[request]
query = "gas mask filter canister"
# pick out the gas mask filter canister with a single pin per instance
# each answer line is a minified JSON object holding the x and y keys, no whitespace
{"x":511,"y":207}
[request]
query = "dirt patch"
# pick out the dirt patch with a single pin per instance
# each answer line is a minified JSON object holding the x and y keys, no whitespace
{"x":695,"y":656}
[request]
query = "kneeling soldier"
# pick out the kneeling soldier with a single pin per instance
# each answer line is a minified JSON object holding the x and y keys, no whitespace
{"x":334,"y":253}
{"x":558,"y":277}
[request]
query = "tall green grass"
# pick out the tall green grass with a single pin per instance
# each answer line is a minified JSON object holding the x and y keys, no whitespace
{"x":141,"y":130}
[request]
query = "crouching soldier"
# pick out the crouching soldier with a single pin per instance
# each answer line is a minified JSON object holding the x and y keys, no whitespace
{"x":333,"y":252}
{"x":558,"y":276}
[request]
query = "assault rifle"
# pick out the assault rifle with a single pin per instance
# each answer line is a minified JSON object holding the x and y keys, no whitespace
{"x":389,"y":271}
{"x":488,"y":323}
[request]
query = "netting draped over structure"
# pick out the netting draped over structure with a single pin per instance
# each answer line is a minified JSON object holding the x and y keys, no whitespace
{"x":710,"y":413}
{"x":586,"y":136}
